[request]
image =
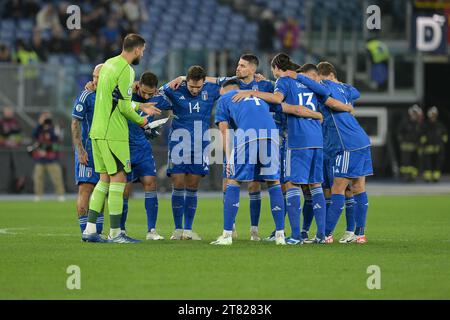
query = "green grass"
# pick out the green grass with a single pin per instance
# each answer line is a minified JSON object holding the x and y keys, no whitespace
{"x":414,"y":256}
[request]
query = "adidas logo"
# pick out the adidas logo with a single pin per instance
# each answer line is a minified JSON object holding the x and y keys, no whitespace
{"x":276,"y":208}
{"x":182,"y":98}
{"x":317,"y":206}
{"x":236,"y":205}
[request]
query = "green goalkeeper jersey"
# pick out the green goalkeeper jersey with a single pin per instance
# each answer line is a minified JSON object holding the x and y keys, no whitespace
{"x":113,"y":105}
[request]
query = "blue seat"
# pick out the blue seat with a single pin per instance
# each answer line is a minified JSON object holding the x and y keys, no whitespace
{"x":7,"y":24}
{"x":26,"y":24}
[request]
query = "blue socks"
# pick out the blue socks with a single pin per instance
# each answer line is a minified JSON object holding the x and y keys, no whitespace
{"x":361,"y":206}
{"x":334,"y":212}
{"x":320,"y":210}
{"x":151,"y":208}
{"x":293,"y":210}
{"x":178,"y":207}
{"x":255,"y":208}
{"x":231,"y":206}
{"x":328,"y":202}
{"x":277,"y":206}
{"x":83,"y":221}
{"x":190,"y":206}
{"x":350,"y":214}
{"x":308,"y":213}
{"x":123,"y":220}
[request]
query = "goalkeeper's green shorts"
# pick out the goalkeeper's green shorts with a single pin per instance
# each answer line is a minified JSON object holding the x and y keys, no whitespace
{"x":111,"y":156}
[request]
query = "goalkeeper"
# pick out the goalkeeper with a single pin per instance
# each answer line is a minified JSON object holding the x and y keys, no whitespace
{"x":109,"y":134}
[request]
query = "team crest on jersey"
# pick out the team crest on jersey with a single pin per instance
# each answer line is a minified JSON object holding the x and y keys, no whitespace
{"x":79,"y":107}
{"x":204,"y":95}
{"x":130,"y":91}
{"x":88,"y":172}
{"x":255,"y":88}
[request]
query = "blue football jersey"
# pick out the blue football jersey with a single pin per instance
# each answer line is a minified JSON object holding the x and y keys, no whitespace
{"x":303,"y":133}
{"x":189,"y":109}
{"x":136,"y":135}
{"x":263,"y":86}
{"x":251,"y":113}
{"x":343,"y":129}
{"x":83,"y":110}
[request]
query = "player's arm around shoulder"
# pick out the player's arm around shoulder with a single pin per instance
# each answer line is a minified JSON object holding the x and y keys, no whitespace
{"x":337,"y":105}
{"x":269,"y":97}
{"x":301,"y":111}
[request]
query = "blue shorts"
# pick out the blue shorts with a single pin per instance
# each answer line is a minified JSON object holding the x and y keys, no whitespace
{"x":85,"y":173}
{"x":328,"y":169}
{"x":282,"y":161}
{"x":142,"y":164}
{"x":257,"y":160}
{"x":191,"y":165}
{"x":304,"y":166}
{"x":353,"y":164}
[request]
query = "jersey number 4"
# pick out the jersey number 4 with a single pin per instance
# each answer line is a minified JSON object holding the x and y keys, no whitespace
{"x":309,"y":103}
{"x":195,"y":107}
{"x":255,"y":99}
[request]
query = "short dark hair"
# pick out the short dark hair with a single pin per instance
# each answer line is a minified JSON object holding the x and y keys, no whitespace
{"x":251,"y":58}
{"x":133,"y":41}
{"x":231,"y":82}
{"x":149,"y":79}
{"x":307,"y":67}
{"x":325,"y":69}
{"x":283,"y":62}
{"x":196,"y":73}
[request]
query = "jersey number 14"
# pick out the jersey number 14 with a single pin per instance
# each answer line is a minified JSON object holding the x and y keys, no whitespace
{"x":195,"y":107}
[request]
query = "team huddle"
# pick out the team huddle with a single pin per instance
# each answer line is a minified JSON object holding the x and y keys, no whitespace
{"x":299,"y":135}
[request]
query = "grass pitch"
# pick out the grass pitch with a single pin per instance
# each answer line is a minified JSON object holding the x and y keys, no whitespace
{"x":409,"y":239}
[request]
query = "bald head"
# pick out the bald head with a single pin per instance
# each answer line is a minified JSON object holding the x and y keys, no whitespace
{"x":96,"y":74}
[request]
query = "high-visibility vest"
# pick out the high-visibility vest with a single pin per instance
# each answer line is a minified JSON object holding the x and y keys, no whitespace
{"x":378,"y":50}
{"x":28,"y":59}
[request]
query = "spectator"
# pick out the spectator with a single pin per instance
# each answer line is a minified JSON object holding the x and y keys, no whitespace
{"x":5,"y":54}
{"x":10,"y":130}
{"x":58,"y":43}
{"x":379,"y":57}
{"x":47,"y":18}
{"x":24,"y":54}
{"x":433,"y":139}
{"x":28,"y":58}
{"x":289,"y":34}
{"x":90,"y":52}
{"x":266,"y":32}
{"x":11,"y":138}
{"x":408,"y":136}
{"x":111,"y":33}
{"x":132,"y":11}
{"x":46,"y":153}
